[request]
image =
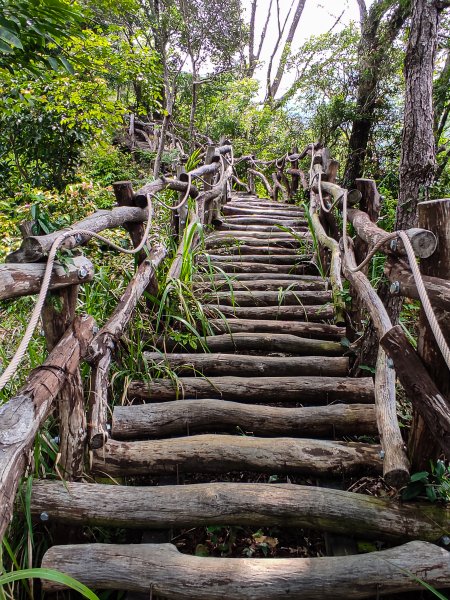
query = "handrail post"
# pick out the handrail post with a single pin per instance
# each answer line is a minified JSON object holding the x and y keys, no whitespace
{"x":434,"y":215}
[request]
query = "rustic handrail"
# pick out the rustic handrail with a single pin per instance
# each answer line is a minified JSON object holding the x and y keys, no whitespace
{"x":23,"y":275}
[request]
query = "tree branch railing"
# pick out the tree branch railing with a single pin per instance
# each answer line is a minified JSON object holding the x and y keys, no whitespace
{"x":71,"y":338}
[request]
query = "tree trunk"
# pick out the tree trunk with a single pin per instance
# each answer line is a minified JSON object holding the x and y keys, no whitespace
{"x":372,"y":51}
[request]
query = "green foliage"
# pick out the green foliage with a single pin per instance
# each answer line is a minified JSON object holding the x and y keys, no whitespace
{"x":32,"y":33}
{"x":49,"y":575}
{"x":434,"y":484}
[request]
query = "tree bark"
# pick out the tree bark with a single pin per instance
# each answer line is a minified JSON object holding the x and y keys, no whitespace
{"x":23,"y":279}
{"x":224,"y":453}
{"x":307,"y":390}
{"x":161,"y":569}
{"x":244,"y":504}
{"x":22,"y":416}
{"x":184,"y":417}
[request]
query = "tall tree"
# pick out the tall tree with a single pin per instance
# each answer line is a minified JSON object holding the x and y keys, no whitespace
{"x":418,"y":156}
{"x":380,"y":25}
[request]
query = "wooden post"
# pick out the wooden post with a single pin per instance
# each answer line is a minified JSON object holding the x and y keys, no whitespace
{"x":295,"y":176}
{"x":251,"y":182}
{"x":435,"y":216}
{"x":182,"y":212}
{"x":58,"y":315}
{"x":369,"y":204}
{"x":211,"y":209}
{"x":123,"y":191}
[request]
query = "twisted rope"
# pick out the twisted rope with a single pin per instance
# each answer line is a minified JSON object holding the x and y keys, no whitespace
{"x":11,"y":369}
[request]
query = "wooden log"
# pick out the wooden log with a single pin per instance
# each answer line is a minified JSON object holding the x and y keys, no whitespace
{"x":425,"y":397}
{"x":307,"y":390}
{"x":227,"y":226}
{"x":260,"y":342}
{"x":161,"y":569}
{"x":259,"y":205}
{"x":184,"y":417}
{"x":423,"y":241}
{"x":285,"y":313}
{"x":257,"y":220}
{"x":435,"y":216}
{"x":259,"y":233}
{"x":242,"y":250}
{"x":255,"y":242}
{"x":335,"y":263}
{"x":103,"y":345}
{"x":267,"y":285}
{"x":123,"y":191}
{"x":320,"y":331}
{"x":22,"y":416}
{"x":209,"y":169}
{"x":160,"y":184}
{"x":400,"y":274}
{"x":244,"y":504}
{"x":396,"y":464}
{"x":249,"y":267}
{"x":36,"y":247}
{"x":263,"y":212}
{"x":210,"y":453}
{"x":57,"y":316}
{"x":263,"y":178}
{"x":260,"y":277}
{"x":263,"y":298}
{"x":272,"y":259}
{"x":25,"y":279}
{"x":242,"y":364}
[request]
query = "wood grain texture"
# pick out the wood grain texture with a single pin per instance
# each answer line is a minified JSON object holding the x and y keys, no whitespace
{"x":22,"y":416}
{"x":211,"y":453}
{"x":307,"y":390}
{"x":183,"y":417}
{"x":17,"y":279}
{"x":166,"y":572}
{"x":245,"y":504}
{"x":246,"y":364}
{"x":320,"y":331}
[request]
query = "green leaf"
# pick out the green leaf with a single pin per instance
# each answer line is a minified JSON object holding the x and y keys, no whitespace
{"x":49,"y":575}
{"x":422,"y":476}
{"x":5,"y":48}
{"x":413,"y":490}
{"x":10,"y":38}
{"x":431,"y":493}
{"x":439,"y":470}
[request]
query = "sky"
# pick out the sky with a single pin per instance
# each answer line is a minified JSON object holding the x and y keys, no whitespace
{"x":318,"y":17}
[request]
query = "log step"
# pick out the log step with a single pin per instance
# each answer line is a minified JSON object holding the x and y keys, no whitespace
{"x":248,"y":365}
{"x":286,"y":313}
{"x":160,"y":569}
{"x":320,"y":331}
{"x":217,"y":276}
{"x":245,"y":504}
{"x":269,"y":298}
{"x":249,"y":249}
{"x":226,"y":226}
{"x":269,"y":285}
{"x":184,"y":417}
{"x":305,"y":390}
{"x":272,"y":259}
{"x":211,"y":453}
{"x":254,"y":267}
{"x":257,"y":220}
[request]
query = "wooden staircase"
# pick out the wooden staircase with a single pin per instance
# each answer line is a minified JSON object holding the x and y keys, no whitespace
{"x":271,"y":401}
